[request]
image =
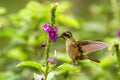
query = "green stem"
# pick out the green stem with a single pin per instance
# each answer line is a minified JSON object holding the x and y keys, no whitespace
{"x":53,"y":10}
{"x":46,"y":58}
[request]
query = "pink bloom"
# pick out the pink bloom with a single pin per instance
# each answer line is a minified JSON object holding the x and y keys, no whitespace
{"x":47,"y":27}
{"x":42,"y":78}
{"x":52,"y":60}
{"x":53,"y":34}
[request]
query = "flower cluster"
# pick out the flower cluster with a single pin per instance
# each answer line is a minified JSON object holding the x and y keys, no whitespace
{"x":52,"y":60}
{"x":52,"y":34}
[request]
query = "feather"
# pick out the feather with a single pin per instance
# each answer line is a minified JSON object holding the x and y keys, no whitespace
{"x":91,"y":46}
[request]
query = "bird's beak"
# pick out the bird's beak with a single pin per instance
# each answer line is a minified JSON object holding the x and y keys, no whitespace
{"x":59,"y":36}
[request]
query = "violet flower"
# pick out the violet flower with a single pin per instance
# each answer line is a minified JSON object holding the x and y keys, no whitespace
{"x":52,"y":60}
{"x":53,"y":34}
{"x":42,"y":78}
{"x":47,"y":27}
{"x":118,"y":33}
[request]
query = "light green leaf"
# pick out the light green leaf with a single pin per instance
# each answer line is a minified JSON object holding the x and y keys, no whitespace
{"x":68,"y":67}
{"x":31,"y":64}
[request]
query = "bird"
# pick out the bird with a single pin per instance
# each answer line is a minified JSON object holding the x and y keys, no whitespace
{"x":77,"y":49}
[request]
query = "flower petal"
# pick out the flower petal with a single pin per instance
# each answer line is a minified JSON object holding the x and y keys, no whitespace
{"x":51,"y":60}
{"x":47,"y":27}
{"x":52,"y":35}
{"x":42,"y":78}
{"x":56,"y":29}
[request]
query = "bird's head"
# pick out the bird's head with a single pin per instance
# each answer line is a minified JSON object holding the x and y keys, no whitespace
{"x":66,"y":35}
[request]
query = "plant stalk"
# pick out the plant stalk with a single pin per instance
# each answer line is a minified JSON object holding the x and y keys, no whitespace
{"x":52,"y":23}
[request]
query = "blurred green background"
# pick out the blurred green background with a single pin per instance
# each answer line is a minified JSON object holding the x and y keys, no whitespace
{"x":21,"y":36}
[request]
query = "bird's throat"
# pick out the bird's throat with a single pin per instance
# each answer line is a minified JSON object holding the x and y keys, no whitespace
{"x":69,"y":42}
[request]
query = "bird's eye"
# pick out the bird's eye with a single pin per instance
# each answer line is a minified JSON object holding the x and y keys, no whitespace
{"x":67,"y":34}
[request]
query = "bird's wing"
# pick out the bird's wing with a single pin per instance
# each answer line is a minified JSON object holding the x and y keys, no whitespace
{"x":91,"y":46}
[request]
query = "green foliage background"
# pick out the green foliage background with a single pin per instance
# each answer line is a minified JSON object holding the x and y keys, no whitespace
{"x":21,"y":36}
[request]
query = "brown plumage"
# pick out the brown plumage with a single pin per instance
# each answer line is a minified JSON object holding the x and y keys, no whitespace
{"x":76,"y":49}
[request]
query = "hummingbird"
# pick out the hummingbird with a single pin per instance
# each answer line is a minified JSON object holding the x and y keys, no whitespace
{"x":77,"y":49}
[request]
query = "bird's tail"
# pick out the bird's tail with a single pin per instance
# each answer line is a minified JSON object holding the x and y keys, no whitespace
{"x":93,"y":59}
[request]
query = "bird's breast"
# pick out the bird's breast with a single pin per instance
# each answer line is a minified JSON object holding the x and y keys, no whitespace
{"x":72,"y":51}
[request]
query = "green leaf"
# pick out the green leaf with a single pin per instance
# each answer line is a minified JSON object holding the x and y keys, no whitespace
{"x":30,"y":64}
{"x":68,"y":67}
